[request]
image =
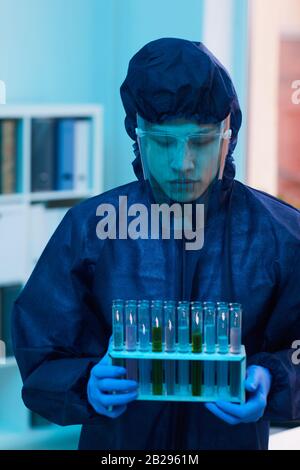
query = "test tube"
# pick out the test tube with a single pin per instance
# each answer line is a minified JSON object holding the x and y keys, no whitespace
{"x":118,"y":330}
{"x":209,"y":327}
{"x":223,"y":347}
{"x":118,"y":324}
{"x":235,"y":346}
{"x":131,"y":337}
{"x":235,"y":328}
{"x":144,"y":325}
{"x":157,"y":324}
{"x":170,"y":318}
{"x":183,"y":315}
{"x":197,"y":318}
{"x":157,"y":365}
{"x":222,"y":328}
{"x":170,"y":371}
{"x":144,"y":346}
{"x":131,"y":325}
{"x":183,"y":326}
{"x":210,"y":346}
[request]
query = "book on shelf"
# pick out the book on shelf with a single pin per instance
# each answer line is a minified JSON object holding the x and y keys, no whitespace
{"x":8,"y":156}
{"x":82,"y":153}
{"x":43,"y":149}
{"x":65,"y":154}
{"x":73,"y":154}
{"x":61,"y":154}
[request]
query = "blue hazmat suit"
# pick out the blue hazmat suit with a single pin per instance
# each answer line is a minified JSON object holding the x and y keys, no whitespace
{"x":62,"y":318}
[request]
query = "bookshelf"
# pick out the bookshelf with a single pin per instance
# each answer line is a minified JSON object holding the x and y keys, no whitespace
{"x":25,"y":115}
{"x":28,"y":217}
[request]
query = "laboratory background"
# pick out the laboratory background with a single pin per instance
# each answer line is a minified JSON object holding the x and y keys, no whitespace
{"x":62,"y":63}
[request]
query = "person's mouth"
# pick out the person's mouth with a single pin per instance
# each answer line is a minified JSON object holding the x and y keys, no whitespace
{"x":179,"y":182}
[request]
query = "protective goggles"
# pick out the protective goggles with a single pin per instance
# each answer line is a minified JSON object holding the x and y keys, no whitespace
{"x":194,"y":141}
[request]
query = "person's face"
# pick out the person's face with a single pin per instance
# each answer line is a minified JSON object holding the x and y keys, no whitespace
{"x":183,"y":157}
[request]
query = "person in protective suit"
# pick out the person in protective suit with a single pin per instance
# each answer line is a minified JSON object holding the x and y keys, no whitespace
{"x":62,"y":319}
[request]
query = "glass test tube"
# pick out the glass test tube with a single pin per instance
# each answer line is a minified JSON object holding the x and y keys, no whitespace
{"x":196,"y":372}
{"x":130,"y":325}
{"x":144,"y":346}
{"x":183,"y":315}
{"x":170,"y":331}
{"x":223,"y":346}
{"x":144,"y":325}
{"x":222,"y":328}
{"x":210,"y":346}
{"x":157,"y":365}
{"x":197,"y":321}
{"x":118,"y":330}
{"x":235,"y":328}
{"x":235,"y":346}
{"x":170,"y":343}
{"x":131,"y":337}
{"x":209,"y":327}
{"x":183,"y":326}
{"x":118,"y":324}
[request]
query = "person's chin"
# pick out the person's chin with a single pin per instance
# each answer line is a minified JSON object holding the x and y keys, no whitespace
{"x":187,"y":196}
{"x":180,"y":197}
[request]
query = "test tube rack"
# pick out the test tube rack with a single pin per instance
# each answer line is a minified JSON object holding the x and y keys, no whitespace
{"x":236,"y":372}
{"x":178,"y":365}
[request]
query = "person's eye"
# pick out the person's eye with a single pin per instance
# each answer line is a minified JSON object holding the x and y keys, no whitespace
{"x":163,"y":141}
{"x":200,"y":141}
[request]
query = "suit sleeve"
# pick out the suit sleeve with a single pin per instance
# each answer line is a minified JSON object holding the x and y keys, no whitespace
{"x":57,"y":332}
{"x":280,"y":356}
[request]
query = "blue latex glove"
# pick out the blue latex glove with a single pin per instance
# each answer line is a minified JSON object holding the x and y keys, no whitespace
{"x":258,"y":384}
{"x":107,"y":392}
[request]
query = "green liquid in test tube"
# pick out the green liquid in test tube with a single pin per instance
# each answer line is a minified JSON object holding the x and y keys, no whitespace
{"x":197,"y":317}
{"x":196,"y":342}
{"x":157,"y":365}
{"x":157,"y":338}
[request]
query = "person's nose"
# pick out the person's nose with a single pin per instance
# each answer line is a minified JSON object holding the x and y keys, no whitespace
{"x":183,"y":160}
